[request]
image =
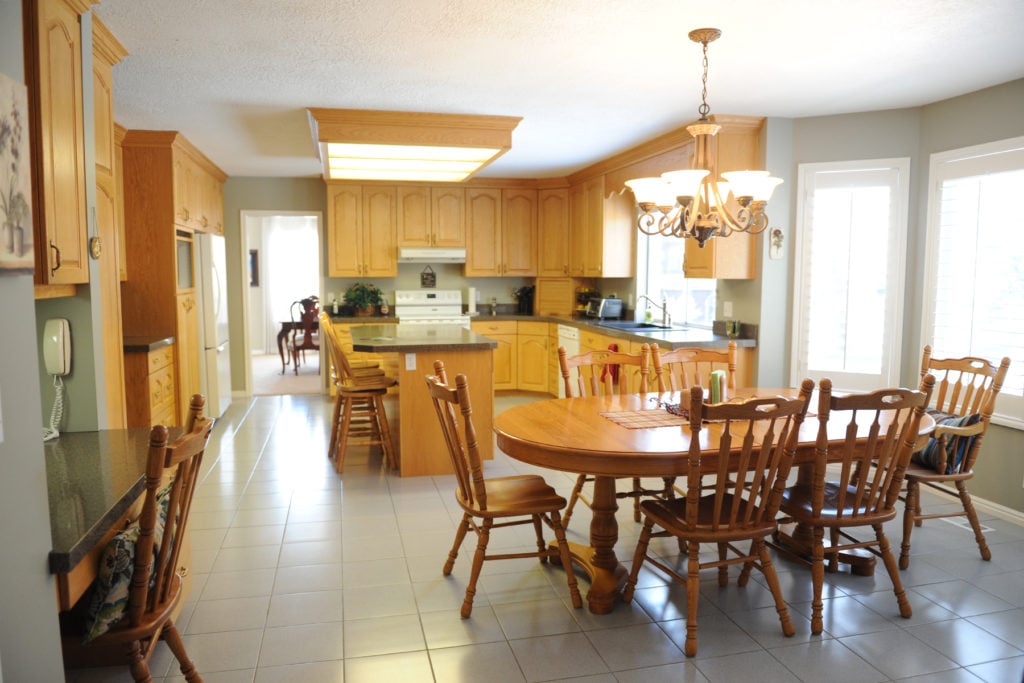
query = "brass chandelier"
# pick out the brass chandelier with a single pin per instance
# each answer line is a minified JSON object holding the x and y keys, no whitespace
{"x":693,"y":202}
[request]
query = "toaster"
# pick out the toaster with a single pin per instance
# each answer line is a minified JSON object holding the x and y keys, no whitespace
{"x":604,"y":308}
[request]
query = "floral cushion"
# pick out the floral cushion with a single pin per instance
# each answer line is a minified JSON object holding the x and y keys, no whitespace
{"x":109,"y":597}
{"x":956,"y":448}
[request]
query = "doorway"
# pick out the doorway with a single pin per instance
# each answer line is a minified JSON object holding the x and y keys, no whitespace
{"x":282,"y":255}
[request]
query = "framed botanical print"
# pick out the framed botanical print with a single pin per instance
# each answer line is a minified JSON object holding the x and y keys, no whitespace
{"x":15,"y":179}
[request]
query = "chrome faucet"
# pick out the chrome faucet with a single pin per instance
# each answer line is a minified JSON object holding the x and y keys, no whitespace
{"x":666,"y":319}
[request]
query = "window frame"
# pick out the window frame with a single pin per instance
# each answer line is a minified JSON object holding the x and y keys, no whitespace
{"x":965,"y":162}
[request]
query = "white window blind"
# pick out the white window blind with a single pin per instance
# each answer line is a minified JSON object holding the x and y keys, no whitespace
{"x":850,"y":272}
{"x":974,"y":287}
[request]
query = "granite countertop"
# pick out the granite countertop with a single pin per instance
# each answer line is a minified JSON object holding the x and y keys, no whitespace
{"x":412,"y":338}
{"x":676,"y":337}
{"x":146,"y":344}
{"x":92,"y":478}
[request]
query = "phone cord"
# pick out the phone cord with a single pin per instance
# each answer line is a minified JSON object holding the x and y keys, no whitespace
{"x":57,"y":412}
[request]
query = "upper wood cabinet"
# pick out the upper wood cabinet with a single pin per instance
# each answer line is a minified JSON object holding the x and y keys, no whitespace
{"x":53,"y":71}
{"x":361,"y":230}
{"x":553,"y":233}
{"x":501,"y":227}
{"x":198,"y":191}
{"x":431,"y":216}
{"x":602,"y":231}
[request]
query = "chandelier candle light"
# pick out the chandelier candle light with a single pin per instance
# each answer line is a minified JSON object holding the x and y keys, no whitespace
{"x":693,"y":202}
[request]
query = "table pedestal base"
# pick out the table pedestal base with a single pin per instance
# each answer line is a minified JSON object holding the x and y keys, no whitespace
{"x":605,"y":584}
{"x":796,"y":541}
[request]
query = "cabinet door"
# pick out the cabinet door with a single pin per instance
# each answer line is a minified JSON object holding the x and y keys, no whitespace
{"x":532,"y":360}
{"x":519,"y":233}
{"x":448,"y":215}
{"x":61,"y":231}
{"x":504,"y":361}
{"x":187,"y":212}
{"x":553,"y":233}
{"x":593,"y":243}
{"x":414,"y":217}
{"x":187,"y":346}
{"x":211,"y":203}
{"x":483,"y":233}
{"x":380,"y":255}
{"x":344,"y":230}
{"x":577,"y":230}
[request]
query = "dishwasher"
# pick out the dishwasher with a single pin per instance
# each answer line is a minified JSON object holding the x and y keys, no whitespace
{"x":569,"y":338}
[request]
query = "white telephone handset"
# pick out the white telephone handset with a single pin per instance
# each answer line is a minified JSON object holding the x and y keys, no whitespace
{"x":57,"y":346}
{"x":57,"y":359}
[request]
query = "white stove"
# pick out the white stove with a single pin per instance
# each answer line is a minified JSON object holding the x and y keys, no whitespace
{"x":430,"y":307}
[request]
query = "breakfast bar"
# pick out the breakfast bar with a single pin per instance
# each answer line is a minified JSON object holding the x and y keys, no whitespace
{"x":421,"y":447}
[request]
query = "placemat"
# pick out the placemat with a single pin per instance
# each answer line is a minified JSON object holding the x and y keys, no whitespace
{"x":644,"y":419}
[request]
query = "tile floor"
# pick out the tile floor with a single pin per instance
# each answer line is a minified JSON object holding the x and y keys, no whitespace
{"x":304,"y":575}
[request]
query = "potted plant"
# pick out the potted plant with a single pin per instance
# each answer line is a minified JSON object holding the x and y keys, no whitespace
{"x":363,"y":298}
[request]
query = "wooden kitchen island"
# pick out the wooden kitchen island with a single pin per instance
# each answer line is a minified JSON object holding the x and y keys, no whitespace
{"x":421,"y":447}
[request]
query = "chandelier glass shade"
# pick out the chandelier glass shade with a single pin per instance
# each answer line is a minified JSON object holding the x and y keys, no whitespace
{"x":695,"y":202}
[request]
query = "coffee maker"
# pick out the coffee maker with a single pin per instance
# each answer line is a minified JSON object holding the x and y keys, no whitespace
{"x":524,"y":297}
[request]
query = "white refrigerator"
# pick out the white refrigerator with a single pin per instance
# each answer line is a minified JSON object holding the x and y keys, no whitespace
{"x":215,"y":359}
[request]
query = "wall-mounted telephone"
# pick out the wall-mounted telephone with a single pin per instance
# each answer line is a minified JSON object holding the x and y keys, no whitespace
{"x":57,"y":359}
{"x":57,"y":346}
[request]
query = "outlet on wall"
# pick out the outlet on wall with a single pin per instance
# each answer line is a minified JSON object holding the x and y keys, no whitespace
{"x":727,"y":309}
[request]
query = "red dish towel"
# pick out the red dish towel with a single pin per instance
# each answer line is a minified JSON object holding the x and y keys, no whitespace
{"x":613,"y":369}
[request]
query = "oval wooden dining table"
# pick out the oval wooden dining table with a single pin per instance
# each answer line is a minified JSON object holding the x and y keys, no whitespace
{"x":577,"y":435}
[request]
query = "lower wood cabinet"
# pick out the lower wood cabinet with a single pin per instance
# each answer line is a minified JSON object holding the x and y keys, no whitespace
{"x":149,"y":375}
{"x":532,"y":352}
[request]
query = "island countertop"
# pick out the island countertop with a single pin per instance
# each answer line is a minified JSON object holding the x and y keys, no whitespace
{"x":414,"y":338}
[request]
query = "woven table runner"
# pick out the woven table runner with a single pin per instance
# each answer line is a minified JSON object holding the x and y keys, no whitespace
{"x":644,"y":419}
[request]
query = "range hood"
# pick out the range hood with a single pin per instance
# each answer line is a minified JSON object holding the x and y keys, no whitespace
{"x":431,"y":255}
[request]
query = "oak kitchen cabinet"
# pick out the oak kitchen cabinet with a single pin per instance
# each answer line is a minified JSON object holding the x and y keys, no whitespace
{"x":361,"y":230}
{"x":553,"y":232}
{"x":532,"y":354}
{"x":501,"y":232}
{"x":431,"y":216}
{"x":149,"y":371}
{"x":159,"y":296}
{"x":601,"y":231}
{"x":53,"y":72}
{"x":503,"y":332}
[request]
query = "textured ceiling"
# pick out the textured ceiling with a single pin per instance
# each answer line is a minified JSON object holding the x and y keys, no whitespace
{"x":589,"y":77}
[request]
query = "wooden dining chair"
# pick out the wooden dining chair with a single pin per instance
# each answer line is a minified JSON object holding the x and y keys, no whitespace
{"x":855,"y":478}
{"x":603,"y":373}
{"x":730,"y":497}
{"x":359,"y":411}
{"x":492,"y":503}
{"x":306,"y":337}
{"x":965,"y":399}
{"x":143,"y":561}
{"x":679,"y":369}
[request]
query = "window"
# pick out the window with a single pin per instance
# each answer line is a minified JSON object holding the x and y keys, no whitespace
{"x":852,"y":220}
{"x":691,"y":301}
{"x":974,"y":270}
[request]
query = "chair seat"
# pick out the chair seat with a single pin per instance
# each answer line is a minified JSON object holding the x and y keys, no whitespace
{"x":921,"y":473}
{"x":375,"y":383}
{"x":797,"y":502}
{"x":524,"y":494}
{"x":670,"y":515}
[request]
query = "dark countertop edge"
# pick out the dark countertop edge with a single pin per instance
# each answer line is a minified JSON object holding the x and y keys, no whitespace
{"x":365,"y":320}
{"x":62,"y":562}
{"x":663,"y":337}
{"x":145,"y":344}
{"x":400,"y":347}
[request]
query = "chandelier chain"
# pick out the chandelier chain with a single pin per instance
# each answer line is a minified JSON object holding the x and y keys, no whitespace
{"x":704,"y":109}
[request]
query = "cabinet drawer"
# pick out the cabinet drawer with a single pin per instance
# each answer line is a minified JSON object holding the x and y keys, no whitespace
{"x":160,"y":358}
{"x":494,"y":327}
{"x":540,"y":329}
{"x":161,"y":389}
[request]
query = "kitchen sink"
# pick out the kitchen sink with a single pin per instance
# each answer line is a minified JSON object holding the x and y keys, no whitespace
{"x":631,"y":325}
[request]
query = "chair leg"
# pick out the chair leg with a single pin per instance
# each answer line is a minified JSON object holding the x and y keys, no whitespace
{"x":911,"y":509}
{"x":972,"y":516}
{"x":692,"y":596}
{"x":760,"y":549}
{"x":137,"y":664}
{"x":381,"y":421}
{"x":894,"y":573}
{"x":538,"y":532}
{"x":817,"y":578}
{"x":638,"y":560}
{"x":573,"y":497}
{"x":483,"y":536}
{"x":332,"y":450}
{"x":460,"y":535}
{"x":723,"y":570}
{"x":174,"y":642}
{"x":563,"y":553}
{"x":346,"y":422}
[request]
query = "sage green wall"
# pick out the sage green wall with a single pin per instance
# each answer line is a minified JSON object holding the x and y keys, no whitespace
{"x":29,"y":635}
{"x":984,"y":116}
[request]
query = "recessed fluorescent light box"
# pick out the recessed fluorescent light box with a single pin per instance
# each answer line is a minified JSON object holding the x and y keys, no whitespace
{"x":356,"y":144}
